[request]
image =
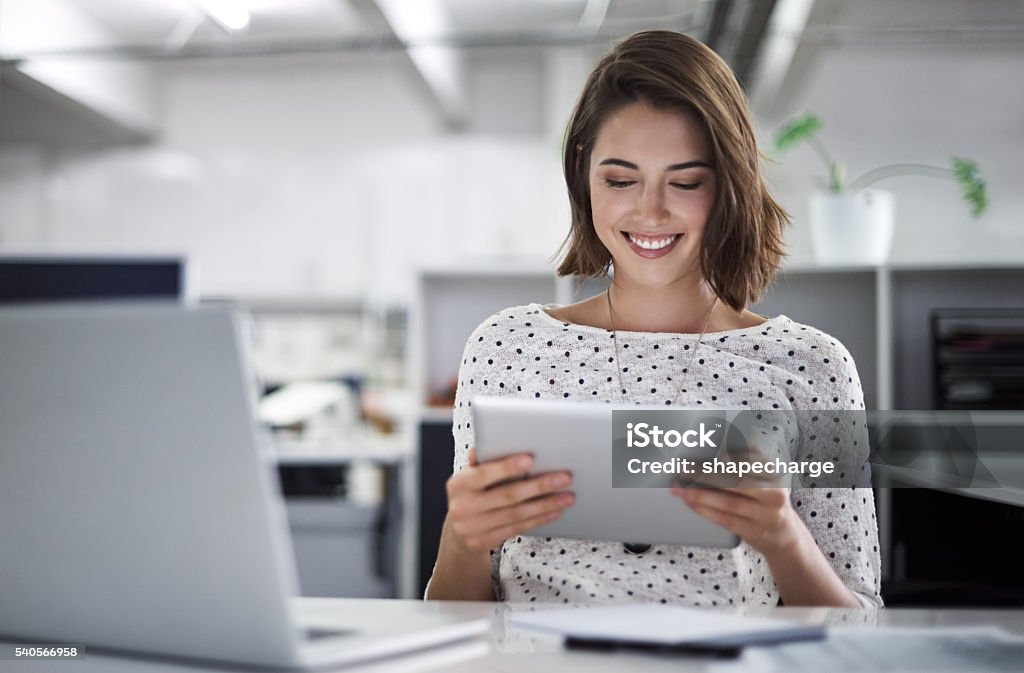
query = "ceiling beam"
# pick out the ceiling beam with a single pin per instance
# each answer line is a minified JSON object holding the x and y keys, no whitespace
{"x":751,"y":39}
{"x":716,"y":22}
{"x":437,"y":69}
{"x":787,"y":58}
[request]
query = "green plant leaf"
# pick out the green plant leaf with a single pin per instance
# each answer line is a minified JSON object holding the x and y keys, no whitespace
{"x":796,"y":131}
{"x":971,"y":183}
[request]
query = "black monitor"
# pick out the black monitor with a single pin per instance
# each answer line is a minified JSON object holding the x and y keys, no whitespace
{"x":59,"y":278}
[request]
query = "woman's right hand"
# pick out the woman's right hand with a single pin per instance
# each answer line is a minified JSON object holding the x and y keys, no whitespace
{"x":490,"y":502}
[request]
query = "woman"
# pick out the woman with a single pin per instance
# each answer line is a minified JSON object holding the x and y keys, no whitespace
{"x":663,"y":175}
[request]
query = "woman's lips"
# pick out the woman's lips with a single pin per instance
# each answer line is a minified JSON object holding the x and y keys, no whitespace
{"x":651,"y":253}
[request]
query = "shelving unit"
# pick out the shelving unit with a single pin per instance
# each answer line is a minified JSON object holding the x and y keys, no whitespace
{"x":918,"y":290}
{"x":345,"y":543}
{"x":879,"y":313}
{"x":451,"y":302}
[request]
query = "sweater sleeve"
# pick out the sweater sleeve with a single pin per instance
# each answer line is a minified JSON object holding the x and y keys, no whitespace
{"x":462,"y":420}
{"x":462,"y":425}
{"x":841,"y":517}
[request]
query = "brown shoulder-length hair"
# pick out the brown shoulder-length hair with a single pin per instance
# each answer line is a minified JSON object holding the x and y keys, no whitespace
{"x":742,"y":244}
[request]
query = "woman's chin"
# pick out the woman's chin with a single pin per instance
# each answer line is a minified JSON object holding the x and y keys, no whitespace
{"x":650,"y":276}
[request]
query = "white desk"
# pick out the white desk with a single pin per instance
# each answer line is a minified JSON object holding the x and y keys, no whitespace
{"x":510,"y":650}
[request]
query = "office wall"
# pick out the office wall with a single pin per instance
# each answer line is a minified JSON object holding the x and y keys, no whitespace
{"x":22,"y":220}
{"x":307,"y":175}
{"x":332,"y":175}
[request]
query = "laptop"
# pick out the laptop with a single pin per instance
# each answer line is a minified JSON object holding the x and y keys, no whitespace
{"x":139,"y":510}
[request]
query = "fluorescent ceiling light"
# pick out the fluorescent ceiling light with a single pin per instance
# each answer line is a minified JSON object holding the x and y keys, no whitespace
{"x":231,"y":14}
{"x":418,"y":20}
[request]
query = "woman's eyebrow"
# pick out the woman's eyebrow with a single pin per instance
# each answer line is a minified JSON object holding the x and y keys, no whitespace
{"x":673,"y":167}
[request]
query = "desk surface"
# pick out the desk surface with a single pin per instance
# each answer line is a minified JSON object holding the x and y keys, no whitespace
{"x":511,"y":650}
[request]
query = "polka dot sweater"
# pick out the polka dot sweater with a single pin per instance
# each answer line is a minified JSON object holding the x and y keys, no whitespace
{"x":524,"y":352}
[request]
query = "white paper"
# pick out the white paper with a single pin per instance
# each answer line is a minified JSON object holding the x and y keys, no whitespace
{"x":656,"y":624}
{"x":896,"y":650}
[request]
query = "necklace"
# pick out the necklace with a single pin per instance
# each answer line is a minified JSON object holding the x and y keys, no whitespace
{"x":693,"y":351}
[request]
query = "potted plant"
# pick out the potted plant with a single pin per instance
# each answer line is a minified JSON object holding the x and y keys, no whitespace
{"x":851,"y":224}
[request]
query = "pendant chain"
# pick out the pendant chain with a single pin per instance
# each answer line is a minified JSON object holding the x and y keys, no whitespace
{"x":693,"y":351}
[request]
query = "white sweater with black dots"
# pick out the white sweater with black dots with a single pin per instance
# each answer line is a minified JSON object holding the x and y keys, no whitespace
{"x":524,"y":352}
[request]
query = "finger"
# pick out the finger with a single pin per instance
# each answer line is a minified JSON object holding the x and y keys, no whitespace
{"x":706,"y":480}
{"x":772,"y":498}
{"x":491,"y":472}
{"x":464,"y":502}
{"x":750,"y":528}
{"x":472,"y":456}
{"x":512,"y":494}
{"x":725,"y":501}
{"x":500,"y":518}
{"x":498,"y":535}
{"x":752,"y":451}
{"x":745,"y":528}
{"x":715,"y":476}
{"x":763,"y":480}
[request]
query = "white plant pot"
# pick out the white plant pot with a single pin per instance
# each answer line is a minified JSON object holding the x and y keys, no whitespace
{"x":852,"y":228}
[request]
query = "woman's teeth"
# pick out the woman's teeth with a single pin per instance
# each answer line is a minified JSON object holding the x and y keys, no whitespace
{"x":653,"y":244}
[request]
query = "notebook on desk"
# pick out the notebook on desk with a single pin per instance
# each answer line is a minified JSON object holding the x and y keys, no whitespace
{"x":664,"y":628}
{"x":137,"y":510}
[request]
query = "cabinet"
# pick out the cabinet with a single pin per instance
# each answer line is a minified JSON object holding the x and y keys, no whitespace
{"x":344,"y":480}
{"x":343,"y":547}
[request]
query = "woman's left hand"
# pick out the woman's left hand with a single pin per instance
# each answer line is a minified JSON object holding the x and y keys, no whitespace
{"x":762,"y":517}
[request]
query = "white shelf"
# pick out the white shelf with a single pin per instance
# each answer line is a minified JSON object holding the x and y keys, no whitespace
{"x":954,"y":265}
{"x":879,"y":312}
{"x":451,"y":302}
{"x":435,"y":414}
{"x":500,"y":266}
{"x":372,"y":447}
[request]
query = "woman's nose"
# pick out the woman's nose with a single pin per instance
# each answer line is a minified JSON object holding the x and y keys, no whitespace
{"x":650,"y":207}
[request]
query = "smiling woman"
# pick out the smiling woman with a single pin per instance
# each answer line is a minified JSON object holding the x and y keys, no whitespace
{"x":664,"y":181}
{"x":663,"y":117}
{"x":645,"y":202}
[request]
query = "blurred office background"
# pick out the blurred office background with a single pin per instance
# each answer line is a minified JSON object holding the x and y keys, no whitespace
{"x":369,"y":179}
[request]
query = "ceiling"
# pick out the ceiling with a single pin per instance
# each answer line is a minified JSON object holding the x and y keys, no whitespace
{"x":736,"y":28}
{"x":178,"y":29}
{"x":772,"y":45}
{"x":154,"y":19}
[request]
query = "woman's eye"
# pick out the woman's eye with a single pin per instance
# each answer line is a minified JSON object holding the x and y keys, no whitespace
{"x":618,"y":184}
{"x":687,"y":186}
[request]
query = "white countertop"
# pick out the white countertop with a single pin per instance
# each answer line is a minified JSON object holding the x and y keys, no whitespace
{"x":508,"y":649}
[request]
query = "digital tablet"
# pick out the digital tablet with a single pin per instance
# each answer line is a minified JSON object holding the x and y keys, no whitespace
{"x":577,"y":437}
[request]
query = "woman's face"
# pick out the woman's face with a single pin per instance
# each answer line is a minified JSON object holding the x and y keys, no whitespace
{"x":652,"y":187}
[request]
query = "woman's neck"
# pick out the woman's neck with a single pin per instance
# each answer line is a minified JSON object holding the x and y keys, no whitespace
{"x":681,"y":307}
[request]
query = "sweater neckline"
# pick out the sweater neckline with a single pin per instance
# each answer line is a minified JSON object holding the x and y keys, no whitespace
{"x":541,"y":310}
